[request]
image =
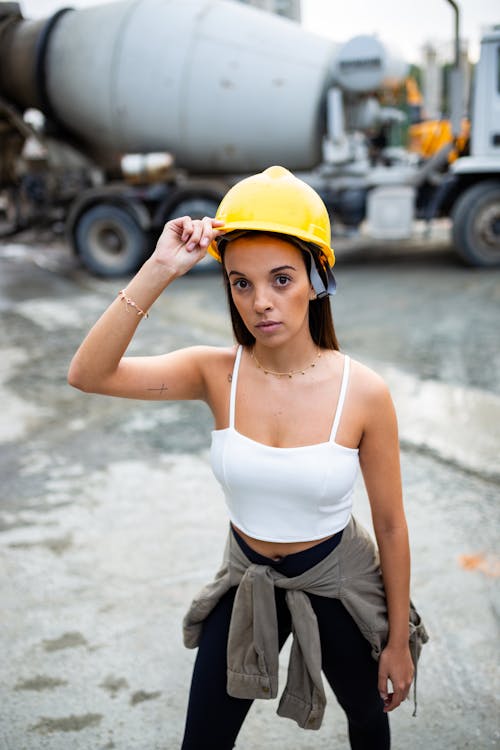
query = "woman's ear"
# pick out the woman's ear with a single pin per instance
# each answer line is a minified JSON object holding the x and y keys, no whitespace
{"x":312,"y":294}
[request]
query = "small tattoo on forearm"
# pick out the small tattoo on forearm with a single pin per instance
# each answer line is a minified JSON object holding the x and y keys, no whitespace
{"x":161,"y":389}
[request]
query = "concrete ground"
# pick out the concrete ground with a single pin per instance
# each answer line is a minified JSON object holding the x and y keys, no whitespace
{"x":110,"y":519}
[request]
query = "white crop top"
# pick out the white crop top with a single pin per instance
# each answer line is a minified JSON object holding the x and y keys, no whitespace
{"x":285,"y":494}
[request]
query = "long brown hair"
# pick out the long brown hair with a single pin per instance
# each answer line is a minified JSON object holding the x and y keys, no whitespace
{"x":321,"y":324}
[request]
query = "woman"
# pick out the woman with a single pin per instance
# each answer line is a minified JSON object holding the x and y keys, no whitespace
{"x":294,"y":419}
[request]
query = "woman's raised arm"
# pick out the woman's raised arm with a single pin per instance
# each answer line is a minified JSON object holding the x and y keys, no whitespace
{"x":99,"y":365}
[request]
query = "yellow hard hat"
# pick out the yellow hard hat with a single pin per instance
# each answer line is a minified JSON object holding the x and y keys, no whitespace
{"x":276,"y":201}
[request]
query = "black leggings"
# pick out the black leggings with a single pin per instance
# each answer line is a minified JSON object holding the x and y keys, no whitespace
{"x":214,"y":718}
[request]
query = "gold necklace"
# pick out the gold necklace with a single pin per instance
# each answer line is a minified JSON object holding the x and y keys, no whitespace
{"x":290,"y":373}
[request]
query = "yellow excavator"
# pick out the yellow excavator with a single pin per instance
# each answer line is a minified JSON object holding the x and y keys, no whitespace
{"x":427,"y":137}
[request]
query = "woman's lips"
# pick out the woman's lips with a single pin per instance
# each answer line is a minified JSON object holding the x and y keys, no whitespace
{"x":268,"y":326}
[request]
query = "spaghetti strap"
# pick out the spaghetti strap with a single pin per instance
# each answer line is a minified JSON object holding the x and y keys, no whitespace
{"x":340,"y":404}
{"x":234,"y":380}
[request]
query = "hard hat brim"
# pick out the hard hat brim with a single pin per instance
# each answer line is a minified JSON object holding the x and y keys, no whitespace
{"x":260,"y":226}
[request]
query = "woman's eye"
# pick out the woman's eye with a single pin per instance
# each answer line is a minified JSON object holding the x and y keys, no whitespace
{"x":240,"y":283}
{"x":282,"y":280}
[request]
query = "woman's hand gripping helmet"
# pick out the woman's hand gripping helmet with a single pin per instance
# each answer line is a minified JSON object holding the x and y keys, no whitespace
{"x":277,"y":201}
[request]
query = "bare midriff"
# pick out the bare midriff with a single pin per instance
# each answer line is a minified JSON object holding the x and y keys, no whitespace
{"x":277,"y":550}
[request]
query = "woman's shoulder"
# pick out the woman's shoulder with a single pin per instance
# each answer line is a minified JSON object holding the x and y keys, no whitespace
{"x":367,"y":384}
{"x":216,"y":364}
{"x":213,"y":357}
{"x":216,"y":353}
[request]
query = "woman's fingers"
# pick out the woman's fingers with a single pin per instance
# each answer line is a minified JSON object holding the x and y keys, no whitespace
{"x":210,"y":230}
{"x":187,"y":227}
{"x":393,"y":700}
{"x":199,"y":232}
{"x":184,"y":242}
{"x":394,"y":677}
{"x":195,"y":236}
{"x":383,"y":677}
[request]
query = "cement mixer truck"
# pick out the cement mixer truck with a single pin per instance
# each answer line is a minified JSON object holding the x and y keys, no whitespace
{"x":153,"y":108}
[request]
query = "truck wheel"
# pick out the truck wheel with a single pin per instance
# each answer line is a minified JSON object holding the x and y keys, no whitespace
{"x":476,"y":225}
{"x":9,"y":212}
{"x":195,"y":207}
{"x":109,"y":241}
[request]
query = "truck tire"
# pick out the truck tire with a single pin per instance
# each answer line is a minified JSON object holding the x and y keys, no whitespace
{"x":476,"y":224}
{"x":9,"y":212}
{"x":109,"y":241}
{"x":195,"y":207}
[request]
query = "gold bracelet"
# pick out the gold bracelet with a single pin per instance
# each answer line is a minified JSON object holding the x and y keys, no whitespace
{"x":128,"y":301}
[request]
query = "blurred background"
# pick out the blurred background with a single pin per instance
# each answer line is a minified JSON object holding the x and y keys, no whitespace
{"x":114,"y":118}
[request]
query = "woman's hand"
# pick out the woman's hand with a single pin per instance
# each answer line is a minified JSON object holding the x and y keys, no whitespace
{"x":184,"y":242}
{"x":395,"y":664}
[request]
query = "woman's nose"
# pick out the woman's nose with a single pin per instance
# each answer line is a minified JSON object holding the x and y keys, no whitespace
{"x":262,"y":301}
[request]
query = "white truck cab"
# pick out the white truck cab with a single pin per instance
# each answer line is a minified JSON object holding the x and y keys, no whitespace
{"x":485,"y":141}
{"x":475,"y":179}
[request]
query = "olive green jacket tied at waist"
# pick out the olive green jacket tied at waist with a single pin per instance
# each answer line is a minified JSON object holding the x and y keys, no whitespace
{"x":351,"y":573}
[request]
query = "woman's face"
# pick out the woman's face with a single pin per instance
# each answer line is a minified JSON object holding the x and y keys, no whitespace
{"x":270,"y":287}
